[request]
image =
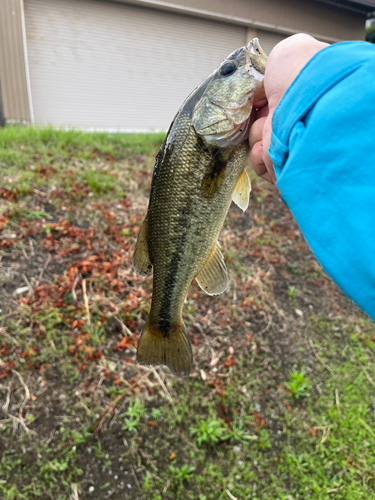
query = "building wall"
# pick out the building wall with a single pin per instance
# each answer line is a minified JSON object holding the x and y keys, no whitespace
{"x":328,"y":22}
{"x":268,"y":39}
{"x":270,"y":20}
{"x":13,"y":75}
{"x":109,"y":66}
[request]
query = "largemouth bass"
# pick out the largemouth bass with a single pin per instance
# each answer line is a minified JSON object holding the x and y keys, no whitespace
{"x":200,"y":168}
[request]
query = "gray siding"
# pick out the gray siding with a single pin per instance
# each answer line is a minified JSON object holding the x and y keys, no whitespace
{"x":12,"y":62}
{"x":112,"y":66}
{"x":268,"y":39}
{"x":330,"y":22}
{"x":119,"y":50}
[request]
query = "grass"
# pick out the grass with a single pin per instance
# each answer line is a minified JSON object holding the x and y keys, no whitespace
{"x":298,"y":383}
{"x":19,"y":145}
{"x":133,"y":415}
{"x":279,"y":405}
{"x":210,"y":432}
{"x":180,"y":476}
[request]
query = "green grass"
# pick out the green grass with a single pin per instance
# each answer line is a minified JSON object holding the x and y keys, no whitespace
{"x":133,"y":415}
{"x":180,"y":476}
{"x":210,"y":432}
{"x":26,"y":153}
{"x":101,"y":182}
{"x":298,"y":383}
{"x":17,"y":143}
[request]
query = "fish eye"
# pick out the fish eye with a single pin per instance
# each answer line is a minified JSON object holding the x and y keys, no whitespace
{"x":228,"y":68}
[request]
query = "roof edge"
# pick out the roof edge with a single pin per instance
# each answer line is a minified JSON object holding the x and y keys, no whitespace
{"x":360,"y":6}
{"x":250,"y":23}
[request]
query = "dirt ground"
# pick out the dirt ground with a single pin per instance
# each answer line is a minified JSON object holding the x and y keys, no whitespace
{"x":81,"y":419}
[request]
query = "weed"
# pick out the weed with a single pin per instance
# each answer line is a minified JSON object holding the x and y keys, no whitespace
{"x":148,"y":482}
{"x":95,"y":332}
{"x":264,"y":439}
{"x":81,"y":437}
{"x":99,"y":449}
{"x":35,"y":214}
{"x":156,"y":413}
{"x":133,"y":415}
{"x":12,"y":493}
{"x":293,"y":268}
{"x":292,"y":291}
{"x":239,"y":433}
{"x":210,"y":432}
{"x":298,"y":383}
{"x":179,"y":475}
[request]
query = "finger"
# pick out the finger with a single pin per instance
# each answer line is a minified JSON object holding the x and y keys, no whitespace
{"x":256,"y":131}
{"x":263,"y":111}
{"x":268,"y":177}
{"x":259,"y":103}
{"x":258,"y":164}
{"x":266,"y":142}
{"x":256,"y":159}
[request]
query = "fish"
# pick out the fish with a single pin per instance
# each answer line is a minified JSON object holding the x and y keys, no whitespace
{"x":199,"y":170}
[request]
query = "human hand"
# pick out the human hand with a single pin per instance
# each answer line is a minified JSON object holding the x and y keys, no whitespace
{"x":285,"y":61}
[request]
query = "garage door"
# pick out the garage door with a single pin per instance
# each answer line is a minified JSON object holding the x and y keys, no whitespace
{"x":110,"y":66}
{"x":268,"y":39}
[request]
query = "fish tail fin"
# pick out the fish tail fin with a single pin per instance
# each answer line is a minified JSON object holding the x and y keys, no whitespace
{"x":173,"y":350}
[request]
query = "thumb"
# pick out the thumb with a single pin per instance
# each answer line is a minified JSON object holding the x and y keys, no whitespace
{"x":266,"y":143}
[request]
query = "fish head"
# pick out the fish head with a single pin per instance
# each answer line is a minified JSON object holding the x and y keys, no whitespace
{"x":223,"y":115}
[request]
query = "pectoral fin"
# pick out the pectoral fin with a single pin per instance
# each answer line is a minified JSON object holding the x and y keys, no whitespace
{"x":242,"y":190}
{"x":213,"y":277}
{"x":214,"y":176}
{"x":141,"y":258}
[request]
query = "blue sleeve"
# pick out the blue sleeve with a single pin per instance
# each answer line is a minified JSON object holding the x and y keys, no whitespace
{"x":323,"y":150}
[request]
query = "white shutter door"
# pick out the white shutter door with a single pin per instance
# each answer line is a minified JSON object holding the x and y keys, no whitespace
{"x":268,"y":39}
{"x":112,"y":66}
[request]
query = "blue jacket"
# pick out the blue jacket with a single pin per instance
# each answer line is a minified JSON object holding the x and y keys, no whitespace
{"x":323,"y":150}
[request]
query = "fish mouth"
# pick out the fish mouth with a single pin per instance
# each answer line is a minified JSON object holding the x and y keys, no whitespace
{"x":253,"y":48}
{"x":256,"y":60}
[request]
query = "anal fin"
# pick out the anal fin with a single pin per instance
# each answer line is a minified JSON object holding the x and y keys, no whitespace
{"x":141,"y":258}
{"x":241,"y":193}
{"x":213,"y":277}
